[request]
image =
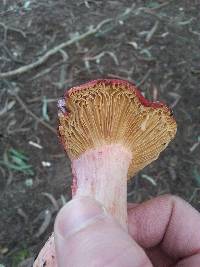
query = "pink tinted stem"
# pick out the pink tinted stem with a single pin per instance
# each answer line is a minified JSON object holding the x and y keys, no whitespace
{"x":102,"y":174}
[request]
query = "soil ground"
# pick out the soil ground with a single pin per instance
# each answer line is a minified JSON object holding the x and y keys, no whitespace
{"x":153,"y":43}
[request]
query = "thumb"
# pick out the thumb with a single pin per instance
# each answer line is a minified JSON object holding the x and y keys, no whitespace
{"x":86,"y":235}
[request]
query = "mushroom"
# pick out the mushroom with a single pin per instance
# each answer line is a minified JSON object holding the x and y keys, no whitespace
{"x":110,"y":132}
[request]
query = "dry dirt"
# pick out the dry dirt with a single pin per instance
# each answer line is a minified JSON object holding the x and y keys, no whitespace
{"x":153,"y":43}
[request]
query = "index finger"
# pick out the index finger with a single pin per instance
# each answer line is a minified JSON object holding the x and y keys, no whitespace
{"x":167,"y":221}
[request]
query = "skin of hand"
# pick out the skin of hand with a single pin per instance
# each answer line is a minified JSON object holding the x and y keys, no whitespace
{"x":163,"y":232}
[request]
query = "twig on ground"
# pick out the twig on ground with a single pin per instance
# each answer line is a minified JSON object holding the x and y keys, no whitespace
{"x":196,"y":190}
{"x":45,"y":224}
{"x":195,"y":70}
{"x":47,"y":71}
{"x":155,"y":93}
{"x":53,"y":51}
{"x":118,"y":20}
{"x":63,"y":200}
{"x":52,"y":199}
{"x":146,"y":76}
{"x":10,"y":178}
{"x":97,"y":31}
{"x":86,"y":4}
{"x":98,"y":57}
{"x":34,"y":144}
{"x":63,"y":71}
{"x":195,"y":145}
{"x":161,"y":5}
{"x":156,"y":7}
{"x":22,"y":214}
{"x":151,"y":32}
{"x":28,"y":111}
{"x":149,"y":178}
{"x":10,"y":28}
{"x":186,"y":22}
{"x":8,"y":106}
{"x":3,"y":172}
{"x":194,"y":32}
{"x":175,"y":96}
{"x":10,"y":55}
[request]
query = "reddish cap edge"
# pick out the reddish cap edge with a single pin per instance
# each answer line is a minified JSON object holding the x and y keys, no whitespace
{"x":145,"y":102}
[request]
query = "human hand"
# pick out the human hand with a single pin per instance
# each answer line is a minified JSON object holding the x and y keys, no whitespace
{"x":163,"y":232}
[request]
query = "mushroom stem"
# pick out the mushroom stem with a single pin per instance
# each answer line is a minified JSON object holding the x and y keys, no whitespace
{"x":102,"y":173}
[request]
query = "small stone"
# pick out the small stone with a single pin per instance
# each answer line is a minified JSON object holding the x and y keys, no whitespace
{"x":29,"y":182}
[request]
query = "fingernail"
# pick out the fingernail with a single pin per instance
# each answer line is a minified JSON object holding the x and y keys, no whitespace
{"x":76,"y":214}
